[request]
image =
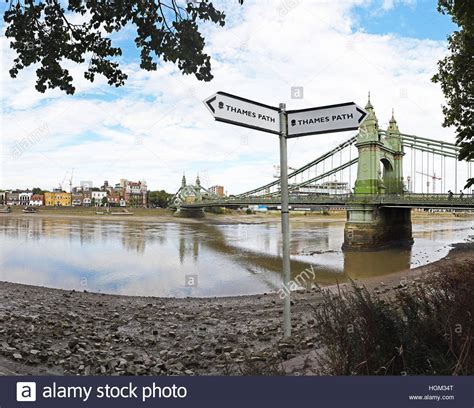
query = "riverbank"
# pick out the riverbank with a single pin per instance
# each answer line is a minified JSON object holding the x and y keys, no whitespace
{"x":229,"y":217}
{"x":165,"y":215}
{"x":51,"y":331}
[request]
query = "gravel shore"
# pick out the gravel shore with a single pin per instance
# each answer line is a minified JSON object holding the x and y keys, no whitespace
{"x":51,"y":331}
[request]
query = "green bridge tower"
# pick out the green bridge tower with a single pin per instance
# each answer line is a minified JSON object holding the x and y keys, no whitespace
{"x":379,"y":171}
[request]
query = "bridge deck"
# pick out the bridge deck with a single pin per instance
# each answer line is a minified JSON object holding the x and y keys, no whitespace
{"x":387,"y":200}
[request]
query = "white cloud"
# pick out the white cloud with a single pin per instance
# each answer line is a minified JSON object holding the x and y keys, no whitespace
{"x":390,"y":4}
{"x":264,"y":50}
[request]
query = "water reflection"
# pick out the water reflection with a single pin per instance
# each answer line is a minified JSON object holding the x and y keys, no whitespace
{"x":155,"y":258}
{"x":360,"y":265}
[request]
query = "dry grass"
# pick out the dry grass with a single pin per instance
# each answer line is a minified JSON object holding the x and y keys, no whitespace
{"x":427,"y":329}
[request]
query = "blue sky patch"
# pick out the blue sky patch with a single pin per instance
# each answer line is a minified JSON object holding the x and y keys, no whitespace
{"x":419,"y":20}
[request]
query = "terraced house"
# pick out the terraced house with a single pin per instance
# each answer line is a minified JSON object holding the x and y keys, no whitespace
{"x":77,"y":198}
{"x":57,"y":199}
{"x":37,"y":200}
{"x":135,"y":192}
{"x":98,"y":197}
{"x":87,"y":200}
{"x":13,"y":197}
{"x":25,"y":197}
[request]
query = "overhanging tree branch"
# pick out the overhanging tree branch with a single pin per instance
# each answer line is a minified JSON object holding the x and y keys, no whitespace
{"x":456,"y":76}
{"x":41,"y":32}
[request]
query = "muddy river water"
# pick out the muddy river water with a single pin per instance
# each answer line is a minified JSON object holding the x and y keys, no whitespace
{"x":179,"y":259}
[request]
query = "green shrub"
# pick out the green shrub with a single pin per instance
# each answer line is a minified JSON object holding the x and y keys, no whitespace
{"x":427,"y":329}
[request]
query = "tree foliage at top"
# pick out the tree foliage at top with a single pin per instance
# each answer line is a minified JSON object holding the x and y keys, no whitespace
{"x":46,"y":32}
{"x":456,"y":76}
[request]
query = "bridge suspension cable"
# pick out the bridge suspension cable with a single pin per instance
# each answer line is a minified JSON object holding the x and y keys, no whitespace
{"x":308,"y":166}
{"x":432,"y":156}
{"x":424,"y":146}
{"x":324,"y":175}
{"x":428,"y":150}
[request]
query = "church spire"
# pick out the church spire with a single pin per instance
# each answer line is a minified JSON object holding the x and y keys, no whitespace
{"x":183,"y":181}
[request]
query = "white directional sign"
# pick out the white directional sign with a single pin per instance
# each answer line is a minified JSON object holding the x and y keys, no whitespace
{"x":243,"y":112}
{"x":325,"y":119}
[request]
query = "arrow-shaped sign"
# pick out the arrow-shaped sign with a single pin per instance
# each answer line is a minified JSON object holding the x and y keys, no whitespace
{"x":243,"y":112}
{"x":325,"y":119}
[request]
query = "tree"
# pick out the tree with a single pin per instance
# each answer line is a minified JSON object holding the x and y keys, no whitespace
{"x":42,"y":32}
{"x":456,"y":76}
{"x":37,"y":190}
{"x":159,"y":198}
{"x":135,"y":201}
{"x":104,"y":201}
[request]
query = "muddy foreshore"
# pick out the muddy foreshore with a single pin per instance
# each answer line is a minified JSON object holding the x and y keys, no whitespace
{"x":52,"y":331}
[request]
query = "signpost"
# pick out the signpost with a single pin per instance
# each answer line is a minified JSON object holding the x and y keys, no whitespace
{"x":287,"y":124}
{"x":243,"y":112}
{"x":285,"y":219}
{"x":325,"y":119}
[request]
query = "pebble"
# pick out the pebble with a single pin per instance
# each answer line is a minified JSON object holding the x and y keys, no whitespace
{"x":131,"y":336}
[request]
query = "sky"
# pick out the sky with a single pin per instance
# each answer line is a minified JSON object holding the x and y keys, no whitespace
{"x":156,"y":127}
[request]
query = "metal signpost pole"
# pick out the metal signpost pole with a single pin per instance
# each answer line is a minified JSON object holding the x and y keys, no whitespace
{"x":239,"y":111}
{"x":285,"y":222}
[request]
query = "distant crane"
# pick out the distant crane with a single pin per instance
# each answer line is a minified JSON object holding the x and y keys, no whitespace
{"x":70,"y":184}
{"x":62,"y":182}
{"x":70,"y":180}
{"x":433,"y":177}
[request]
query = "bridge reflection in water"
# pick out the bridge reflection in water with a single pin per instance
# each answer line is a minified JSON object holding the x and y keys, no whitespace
{"x":153,"y":258}
{"x":358,"y":265}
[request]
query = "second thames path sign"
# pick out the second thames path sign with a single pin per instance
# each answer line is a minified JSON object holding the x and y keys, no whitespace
{"x":243,"y":112}
{"x":325,"y":119}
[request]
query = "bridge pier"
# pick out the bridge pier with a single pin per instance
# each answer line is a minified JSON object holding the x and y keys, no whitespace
{"x":189,"y":212}
{"x":370,"y":227}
